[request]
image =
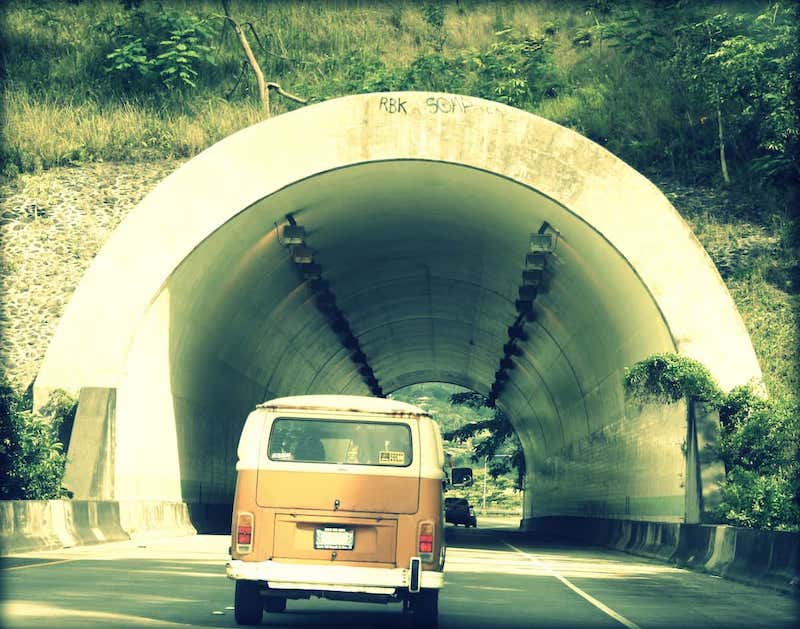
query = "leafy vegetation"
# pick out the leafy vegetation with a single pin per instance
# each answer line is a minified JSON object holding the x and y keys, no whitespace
{"x":30,"y":445}
{"x":655,"y":84}
{"x":168,"y":51}
{"x":471,"y":431}
{"x":759,"y":440}
{"x":493,"y":438}
{"x":670,"y":377}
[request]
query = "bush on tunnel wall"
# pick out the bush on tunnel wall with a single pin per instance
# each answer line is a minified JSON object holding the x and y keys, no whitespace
{"x":669,"y":377}
{"x":758,"y":442}
{"x":30,"y":445}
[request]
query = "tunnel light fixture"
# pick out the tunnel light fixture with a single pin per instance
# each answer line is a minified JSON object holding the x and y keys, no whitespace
{"x":302,"y":254}
{"x":524,"y":305}
{"x":542,"y":243}
{"x":528,"y":293}
{"x":516,"y":331}
{"x":312,"y":271}
{"x":532,"y":277}
{"x":318,"y":285}
{"x":358,"y":357}
{"x":294,"y":235}
{"x":535,"y":261}
{"x":326,"y":302}
{"x":509,"y":349}
{"x":340,"y":326}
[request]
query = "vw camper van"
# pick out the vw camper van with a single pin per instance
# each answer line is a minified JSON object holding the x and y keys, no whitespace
{"x":338,"y":497}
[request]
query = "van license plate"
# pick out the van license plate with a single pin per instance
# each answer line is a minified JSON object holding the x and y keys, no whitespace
{"x":331,"y":538}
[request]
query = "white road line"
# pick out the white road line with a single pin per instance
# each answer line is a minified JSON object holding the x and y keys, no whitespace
{"x":36,"y":565}
{"x":603,"y":608}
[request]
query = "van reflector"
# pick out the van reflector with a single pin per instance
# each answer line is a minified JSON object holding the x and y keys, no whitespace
{"x":244,"y":533}
{"x":413,"y":582}
{"x":425,"y":543}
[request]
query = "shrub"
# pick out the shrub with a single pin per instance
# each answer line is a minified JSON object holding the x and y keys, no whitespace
{"x":516,"y":69}
{"x":670,"y":377}
{"x":759,"y":501}
{"x":167,"y":50}
{"x":29,"y":444}
{"x":759,"y":446}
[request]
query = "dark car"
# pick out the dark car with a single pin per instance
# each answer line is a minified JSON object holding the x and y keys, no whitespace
{"x":459,"y":511}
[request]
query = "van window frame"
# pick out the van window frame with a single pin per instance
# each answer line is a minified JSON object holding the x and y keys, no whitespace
{"x":341,"y":420}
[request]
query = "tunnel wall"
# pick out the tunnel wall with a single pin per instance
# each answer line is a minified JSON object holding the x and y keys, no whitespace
{"x":199,"y":255}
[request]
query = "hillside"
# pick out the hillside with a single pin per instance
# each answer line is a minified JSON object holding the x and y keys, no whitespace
{"x":102,"y":82}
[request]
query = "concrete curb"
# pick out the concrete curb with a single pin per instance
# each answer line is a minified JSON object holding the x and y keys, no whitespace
{"x":763,"y":558}
{"x":33,"y":525}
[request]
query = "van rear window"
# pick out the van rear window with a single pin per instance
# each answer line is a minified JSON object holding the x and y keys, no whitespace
{"x":335,"y":441}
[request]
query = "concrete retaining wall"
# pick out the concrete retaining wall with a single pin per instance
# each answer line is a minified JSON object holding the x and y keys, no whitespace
{"x":765,"y":558}
{"x":30,"y":525}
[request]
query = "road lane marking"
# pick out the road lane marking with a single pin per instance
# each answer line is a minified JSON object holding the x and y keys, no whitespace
{"x":489,"y":587}
{"x":603,"y":608}
{"x":36,"y":565}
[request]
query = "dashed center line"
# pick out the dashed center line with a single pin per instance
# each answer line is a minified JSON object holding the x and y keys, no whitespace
{"x":591,"y":599}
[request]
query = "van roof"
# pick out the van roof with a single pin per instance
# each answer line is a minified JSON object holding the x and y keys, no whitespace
{"x":354,"y":403}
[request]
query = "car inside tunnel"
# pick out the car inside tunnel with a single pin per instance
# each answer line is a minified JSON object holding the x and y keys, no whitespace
{"x":501,"y":253}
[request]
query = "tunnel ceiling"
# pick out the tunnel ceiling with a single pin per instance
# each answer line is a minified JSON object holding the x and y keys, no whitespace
{"x":425,"y":261}
{"x":421,"y":224}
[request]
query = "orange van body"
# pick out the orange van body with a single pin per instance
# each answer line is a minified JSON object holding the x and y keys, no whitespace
{"x":354,"y":520}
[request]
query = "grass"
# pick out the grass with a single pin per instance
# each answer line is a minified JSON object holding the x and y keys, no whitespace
{"x":61,"y":106}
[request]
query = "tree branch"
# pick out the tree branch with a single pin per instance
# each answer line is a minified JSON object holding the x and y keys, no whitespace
{"x":285,"y":94}
{"x":263,"y":92}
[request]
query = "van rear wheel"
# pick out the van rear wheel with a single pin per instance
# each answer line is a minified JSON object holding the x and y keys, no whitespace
{"x":247,"y":606}
{"x":274,"y":604}
{"x":425,"y":606}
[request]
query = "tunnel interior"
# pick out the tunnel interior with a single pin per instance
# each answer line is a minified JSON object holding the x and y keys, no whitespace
{"x":425,"y":260}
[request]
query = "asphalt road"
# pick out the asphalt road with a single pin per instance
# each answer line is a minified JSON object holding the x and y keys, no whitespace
{"x":496,"y":578}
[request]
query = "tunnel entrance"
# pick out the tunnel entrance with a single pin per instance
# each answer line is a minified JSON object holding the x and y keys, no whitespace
{"x":422,"y":227}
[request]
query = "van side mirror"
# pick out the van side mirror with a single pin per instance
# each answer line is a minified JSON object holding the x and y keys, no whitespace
{"x":461,"y":477}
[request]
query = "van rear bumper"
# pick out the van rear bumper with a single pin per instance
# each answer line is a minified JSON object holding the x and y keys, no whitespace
{"x":330,"y":578}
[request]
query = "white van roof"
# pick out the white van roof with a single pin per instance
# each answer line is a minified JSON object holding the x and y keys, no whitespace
{"x":346,"y":403}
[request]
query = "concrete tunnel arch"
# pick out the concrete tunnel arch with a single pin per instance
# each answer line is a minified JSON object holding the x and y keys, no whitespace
{"x":419,"y":209}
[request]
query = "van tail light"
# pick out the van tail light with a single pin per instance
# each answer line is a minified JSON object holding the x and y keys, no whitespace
{"x":244,"y":533}
{"x":425,"y":541}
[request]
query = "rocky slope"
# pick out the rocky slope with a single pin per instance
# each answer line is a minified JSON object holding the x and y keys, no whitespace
{"x":52,"y":225}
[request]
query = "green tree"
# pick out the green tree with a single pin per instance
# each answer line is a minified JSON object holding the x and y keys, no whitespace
{"x":741,"y":72}
{"x":759,"y":446}
{"x":494,"y":435}
{"x":34,"y":458}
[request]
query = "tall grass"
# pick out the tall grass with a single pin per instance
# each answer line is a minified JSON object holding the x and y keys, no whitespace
{"x":61,"y":106}
{"x":41,"y":133}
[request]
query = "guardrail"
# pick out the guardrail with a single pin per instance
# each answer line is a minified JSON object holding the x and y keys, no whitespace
{"x":765,"y":558}
{"x":28,"y":525}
